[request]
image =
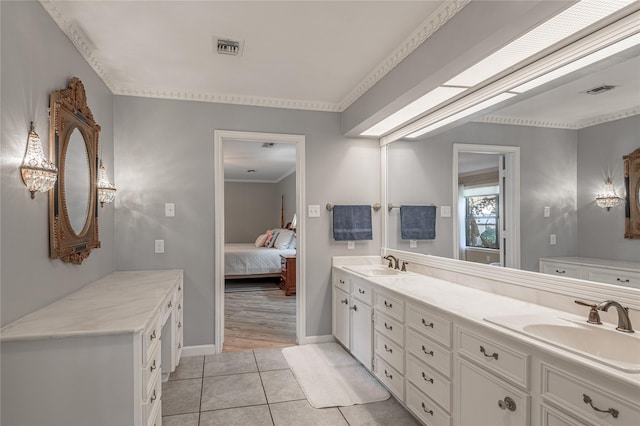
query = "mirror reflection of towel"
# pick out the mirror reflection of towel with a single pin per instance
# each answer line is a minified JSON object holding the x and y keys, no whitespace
{"x":352,"y":223}
{"x":418,"y":222}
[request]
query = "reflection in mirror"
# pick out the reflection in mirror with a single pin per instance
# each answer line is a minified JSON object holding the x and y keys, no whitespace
{"x":570,"y":141}
{"x":77,"y":181}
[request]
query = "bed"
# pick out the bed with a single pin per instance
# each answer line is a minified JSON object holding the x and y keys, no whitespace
{"x":245,"y":260}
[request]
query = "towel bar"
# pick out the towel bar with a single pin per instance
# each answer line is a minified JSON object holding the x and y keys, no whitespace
{"x":375,"y":207}
{"x":391,"y":206}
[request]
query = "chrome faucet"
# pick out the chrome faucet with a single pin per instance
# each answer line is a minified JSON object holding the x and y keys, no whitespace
{"x":393,"y":261}
{"x":624,"y":323}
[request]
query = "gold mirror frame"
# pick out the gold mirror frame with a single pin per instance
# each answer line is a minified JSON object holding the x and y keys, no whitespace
{"x":69,"y":111}
{"x":632,"y":187}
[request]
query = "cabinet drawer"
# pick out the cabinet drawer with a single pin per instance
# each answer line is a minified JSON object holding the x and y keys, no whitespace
{"x":390,"y":328}
{"x":151,"y":338}
{"x":425,"y":409}
{"x":429,"y":324}
{"x":581,"y":397}
{"x":152,"y":402}
{"x":361,"y":290}
{"x":156,"y":419}
{"x":559,"y":269}
{"x":429,"y":352}
{"x":626,"y":279}
{"x":341,"y":280}
{"x":390,"y":305}
{"x":390,"y":377}
{"x":390,"y":352}
{"x":433,"y":384}
{"x":551,"y":417}
{"x":150,"y":372}
{"x":503,"y":360}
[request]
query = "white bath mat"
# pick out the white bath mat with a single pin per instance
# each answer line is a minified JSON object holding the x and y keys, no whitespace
{"x":330,"y":377}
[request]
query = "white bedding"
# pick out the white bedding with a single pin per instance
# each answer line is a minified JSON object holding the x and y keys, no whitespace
{"x":247,"y":259}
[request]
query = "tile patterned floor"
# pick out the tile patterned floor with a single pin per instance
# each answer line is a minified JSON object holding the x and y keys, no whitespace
{"x":256,"y":388}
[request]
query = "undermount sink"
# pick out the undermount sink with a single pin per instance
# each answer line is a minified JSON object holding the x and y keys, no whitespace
{"x":601,"y":343}
{"x":376,"y":270}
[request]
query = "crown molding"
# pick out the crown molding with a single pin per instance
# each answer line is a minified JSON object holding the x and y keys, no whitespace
{"x":514,"y":121}
{"x":429,"y":26}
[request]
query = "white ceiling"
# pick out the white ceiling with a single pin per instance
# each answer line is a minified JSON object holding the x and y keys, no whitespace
{"x":269,"y":165}
{"x":319,"y":55}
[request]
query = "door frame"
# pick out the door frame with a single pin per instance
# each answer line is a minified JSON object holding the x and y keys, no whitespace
{"x":221,"y":136}
{"x":512,"y":195}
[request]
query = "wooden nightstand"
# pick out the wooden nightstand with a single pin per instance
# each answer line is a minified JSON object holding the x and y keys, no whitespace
{"x":288,"y":274}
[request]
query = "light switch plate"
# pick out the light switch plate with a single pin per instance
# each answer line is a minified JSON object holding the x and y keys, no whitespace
{"x":552,"y":239}
{"x":547,"y":211}
{"x":159,"y":246}
{"x":445,"y":211}
{"x":170,"y":209}
{"x":314,"y":210}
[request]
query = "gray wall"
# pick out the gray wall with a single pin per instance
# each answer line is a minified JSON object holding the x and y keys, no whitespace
{"x":249,"y":210}
{"x":287,"y":187}
{"x":37,"y":58}
{"x":420,"y":172}
{"x":600,"y":151}
{"x":164,"y":151}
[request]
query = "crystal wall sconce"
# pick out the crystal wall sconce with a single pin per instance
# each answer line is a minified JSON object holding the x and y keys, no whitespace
{"x":106,"y":190}
{"x":38,"y":173}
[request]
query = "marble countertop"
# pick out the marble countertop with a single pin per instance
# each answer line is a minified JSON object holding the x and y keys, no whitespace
{"x":119,"y":303}
{"x":474,"y":305}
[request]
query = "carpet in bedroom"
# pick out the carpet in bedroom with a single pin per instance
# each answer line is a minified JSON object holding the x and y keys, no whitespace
{"x":251,"y":284}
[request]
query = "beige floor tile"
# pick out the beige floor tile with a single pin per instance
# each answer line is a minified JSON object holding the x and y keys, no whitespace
{"x":300,"y":413}
{"x":257,"y":415}
{"x":189,"y":368}
{"x":229,"y":363}
{"x":181,"y":420}
{"x":181,"y":396}
{"x":238,"y":390}
{"x":280,"y":386}
{"x":270,"y":359}
{"x":388,"y":412}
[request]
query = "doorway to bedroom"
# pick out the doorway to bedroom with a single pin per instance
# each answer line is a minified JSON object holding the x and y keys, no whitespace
{"x":258,"y":243}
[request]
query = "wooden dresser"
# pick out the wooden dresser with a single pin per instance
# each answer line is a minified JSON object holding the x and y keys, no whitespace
{"x":97,"y":356}
{"x":288,"y":274}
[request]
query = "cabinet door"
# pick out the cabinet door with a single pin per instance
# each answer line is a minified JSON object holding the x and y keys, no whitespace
{"x":485,"y":400}
{"x":341,"y":317}
{"x":361,"y":330}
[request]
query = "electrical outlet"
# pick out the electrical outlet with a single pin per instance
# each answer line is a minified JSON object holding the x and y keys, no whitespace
{"x":314,"y":210}
{"x":547,"y":211}
{"x":413,"y":243}
{"x":552,"y":239}
{"x":351,"y":245}
{"x":170,"y":209}
{"x":159,"y":246}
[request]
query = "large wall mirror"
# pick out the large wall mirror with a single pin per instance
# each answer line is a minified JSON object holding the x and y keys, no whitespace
{"x":73,"y":138}
{"x":570,"y":142}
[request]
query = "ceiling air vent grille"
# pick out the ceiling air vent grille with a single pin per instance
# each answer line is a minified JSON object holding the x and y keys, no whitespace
{"x":225,"y":46}
{"x":600,"y":89}
{"x":268,"y":145}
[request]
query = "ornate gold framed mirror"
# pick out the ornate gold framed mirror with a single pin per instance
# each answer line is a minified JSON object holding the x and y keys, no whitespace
{"x":73,"y":145}
{"x":632,"y":186}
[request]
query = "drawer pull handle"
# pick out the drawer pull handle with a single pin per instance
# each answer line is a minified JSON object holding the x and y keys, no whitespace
{"x":587,"y":400}
{"x":425,"y":351}
{"x":425,"y":409}
{"x":179,"y":345}
{"x":179,"y":306}
{"x":427,"y":379}
{"x":153,"y":335}
{"x":388,"y":375}
{"x":179,"y":324}
{"x":388,"y":305}
{"x":559,"y":271}
{"x":507,"y":404}
{"x":345,"y":301}
{"x":388,"y":327}
{"x":153,"y":366}
{"x":388,"y":349}
{"x":484,"y":352}
{"x":153,"y":397}
{"x":170,"y":305}
{"x":361,"y":291}
{"x":341,"y":281}
{"x":620,"y":280}
{"x":179,"y":288}
{"x":427,"y":324}
{"x":354,"y":307}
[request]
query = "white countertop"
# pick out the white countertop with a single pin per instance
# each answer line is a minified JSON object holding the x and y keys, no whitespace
{"x":601,"y":263}
{"x":121,"y":302}
{"x":474,"y":305}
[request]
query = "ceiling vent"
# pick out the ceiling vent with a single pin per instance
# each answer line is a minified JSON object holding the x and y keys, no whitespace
{"x":225,"y":46}
{"x":268,"y":145}
{"x":600,"y":89}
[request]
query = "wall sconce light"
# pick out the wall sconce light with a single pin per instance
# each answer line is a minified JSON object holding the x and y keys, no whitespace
{"x":608,"y":198}
{"x":106,"y":190}
{"x":38,"y":173}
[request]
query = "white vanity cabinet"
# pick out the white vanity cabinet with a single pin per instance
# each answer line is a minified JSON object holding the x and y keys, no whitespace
{"x":389,"y":341}
{"x":352,"y":315}
{"x":601,"y":270}
{"x":95,"y":357}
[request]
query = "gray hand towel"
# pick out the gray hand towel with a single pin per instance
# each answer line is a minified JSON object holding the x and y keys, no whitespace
{"x":352,"y":223}
{"x":418,"y":222}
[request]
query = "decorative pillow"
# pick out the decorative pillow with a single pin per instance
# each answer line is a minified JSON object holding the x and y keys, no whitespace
{"x":267,"y":239}
{"x":260,"y":240}
{"x":283,"y":239}
{"x":272,"y":239}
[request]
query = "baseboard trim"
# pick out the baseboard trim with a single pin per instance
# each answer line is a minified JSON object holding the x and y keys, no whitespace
{"x":308,"y":340}
{"x":199,"y":350}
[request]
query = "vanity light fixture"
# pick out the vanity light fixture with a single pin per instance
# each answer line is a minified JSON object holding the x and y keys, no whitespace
{"x":608,"y":198}
{"x":106,"y":190}
{"x":38,"y":173}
